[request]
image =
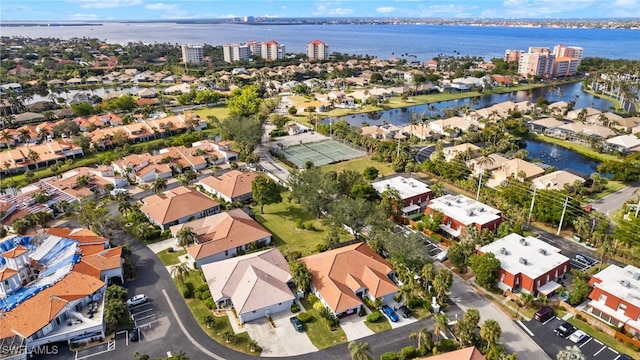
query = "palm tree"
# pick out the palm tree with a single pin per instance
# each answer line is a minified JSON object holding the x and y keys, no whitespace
{"x":253,"y":345}
{"x":186,"y":237}
{"x":34,"y":156}
{"x":124,"y":207}
{"x":43,"y":135}
{"x":437,"y":189}
{"x":209,"y":321}
{"x":179,"y":271}
{"x":24,"y":135}
{"x":7,"y":137}
{"x":159,"y":185}
{"x":427,"y":273}
{"x":490,"y":331}
{"x":441,"y":325}
{"x":360,"y":351}
{"x":424,"y":338}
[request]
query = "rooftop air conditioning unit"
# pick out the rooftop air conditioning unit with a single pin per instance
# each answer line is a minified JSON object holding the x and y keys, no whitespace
{"x":403,"y":180}
{"x":522,"y":261}
{"x":523,"y":242}
{"x":542,"y":251}
{"x":448,"y":203}
{"x":624,"y":282}
{"x":480,"y":209}
{"x":503,"y":251}
{"x":636,"y":276}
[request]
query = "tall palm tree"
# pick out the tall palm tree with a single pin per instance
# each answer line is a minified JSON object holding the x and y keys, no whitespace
{"x":424,"y":338}
{"x":43,"y":135}
{"x":360,"y":351}
{"x":186,"y":236}
{"x":159,"y":185}
{"x":490,"y":331}
{"x":24,"y":136}
{"x":179,"y":271}
{"x":441,"y":325}
{"x":34,"y":156}
{"x":428,"y":272}
{"x":7,"y":137}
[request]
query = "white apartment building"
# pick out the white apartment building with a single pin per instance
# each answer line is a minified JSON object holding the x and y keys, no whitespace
{"x":536,"y":62}
{"x":317,"y":50}
{"x":236,"y":52}
{"x":192,"y":54}
{"x":574,"y":52}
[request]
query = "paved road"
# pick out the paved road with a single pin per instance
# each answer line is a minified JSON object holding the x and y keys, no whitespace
{"x":266,"y":160}
{"x":613,"y":202}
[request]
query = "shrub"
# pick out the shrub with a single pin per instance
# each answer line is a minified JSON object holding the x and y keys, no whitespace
{"x":209,"y":303}
{"x":197,"y":294}
{"x":389,"y":356}
{"x":362,"y":312}
{"x":318,"y":306}
{"x":293,"y":256}
{"x":203,"y":288}
{"x":322,"y":247}
{"x":187,"y":293}
{"x":408,"y":352}
{"x":304,"y":317}
{"x":414,"y":303}
{"x":169,"y":249}
{"x":204,"y":295}
{"x":300,"y":224}
{"x":309,"y":226}
{"x":313,"y":299}
{"x":295,"y":308}
{"x":373,"y":317}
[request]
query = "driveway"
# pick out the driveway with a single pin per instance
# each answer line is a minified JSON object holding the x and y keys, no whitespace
{"x":355,"y":328}
{"x":284,"y":340}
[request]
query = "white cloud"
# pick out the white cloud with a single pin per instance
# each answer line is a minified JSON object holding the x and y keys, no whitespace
{"x":625,"y":3}
{"x":386,"y":9}
{"x":105,"y":4}
{"x":538,"y":8}
{"x":83,"y":16}
{"x":332,"y":8}
{"x":450,"y":10}
{"x":161,"y":7}
{"x":340,"y":11}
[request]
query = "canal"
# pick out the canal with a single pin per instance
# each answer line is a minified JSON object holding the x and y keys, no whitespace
{"x":560,"y":157}
{"x":564,"y":92}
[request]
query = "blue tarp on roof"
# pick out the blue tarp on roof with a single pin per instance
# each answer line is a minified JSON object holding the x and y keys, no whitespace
{"x":68,"y":261}
{"x":60,"y":247}
{"x":20,"y":296}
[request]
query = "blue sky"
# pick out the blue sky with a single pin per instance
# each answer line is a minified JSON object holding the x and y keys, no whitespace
{"x":61,"y":10}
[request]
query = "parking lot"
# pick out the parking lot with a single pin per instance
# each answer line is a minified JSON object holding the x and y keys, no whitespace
{"x":583,"y":262}
{"x":551,"y":343}
{"x":143,"y":315}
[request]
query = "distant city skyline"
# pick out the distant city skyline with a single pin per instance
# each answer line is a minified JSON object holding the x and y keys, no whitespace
{"x":118,"y":10}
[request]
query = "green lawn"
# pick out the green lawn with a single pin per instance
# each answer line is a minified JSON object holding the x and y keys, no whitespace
{"x":221,"y":112}
{"x":170,"y":258}
{"x":606,"y":339}
{"x":359,"y":165}
{"x":199,"y":311}
{"x":610,"y":188}
{"x":420,"y":313}
{"x":382,"y":324}
{"x":280,"y":220}
{"x":318,"y":332}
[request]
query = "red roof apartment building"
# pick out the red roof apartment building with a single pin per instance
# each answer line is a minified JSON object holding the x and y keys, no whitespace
{"x":460,"y":211}
{"x":528,"y":264}
{"x":615,"y":297}
{"x":414,"y":193}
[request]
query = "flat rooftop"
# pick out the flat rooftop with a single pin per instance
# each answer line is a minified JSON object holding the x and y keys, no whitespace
{"x":406,"y":188}
{"x":540,"y":257}
{"x":465,"y":210}
{"x":621,"y":282}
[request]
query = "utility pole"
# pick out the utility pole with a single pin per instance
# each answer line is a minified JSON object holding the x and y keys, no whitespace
{"x":564,"y":209}
{"x":398,"y":151}
{"x":638,"y":208}
{"x":480,"y":184}
{"x":533,"y":201}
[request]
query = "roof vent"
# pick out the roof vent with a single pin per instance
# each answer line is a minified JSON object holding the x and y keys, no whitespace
{"x":470,"y":213}
{"x":481,"y":209}
{"x":624,"y":282}
{"x":636,"y":276}
{"x":448,"y":203}
{"x":459,"y":201}
{"x":403,"y":180}
{"x":503,"y":251}
{"x":542,"y":251}
{"x":522,"y":261}
{"x":523,"y":241}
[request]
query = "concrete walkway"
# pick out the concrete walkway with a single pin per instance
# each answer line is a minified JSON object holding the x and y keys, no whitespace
{"x":354,"y":327}
{"x":513,"y":338}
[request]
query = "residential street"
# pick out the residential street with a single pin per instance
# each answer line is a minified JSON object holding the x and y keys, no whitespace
{"x":513,"y":338}
{"x":613,"y":202}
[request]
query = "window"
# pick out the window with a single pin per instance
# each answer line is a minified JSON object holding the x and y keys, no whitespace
{"x":226,"y":253}
{"x":602,"y":298}
{"x":622,"y":307}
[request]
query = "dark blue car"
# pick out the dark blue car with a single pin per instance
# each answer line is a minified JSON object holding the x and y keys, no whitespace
{"x":388,"y":311}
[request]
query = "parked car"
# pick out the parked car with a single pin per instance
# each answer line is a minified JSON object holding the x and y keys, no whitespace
{"x":137,"y":300}
{"x":442,"y":256}
{"x":388,"y":311}
{"x":577,"y":336}
{"x":584,"y":259}
{"x":297,"y":324}
{"x":565,"y":330}
{"x":404,"y":311}
{"x":544,"y":314}
{"x":134,"y":334}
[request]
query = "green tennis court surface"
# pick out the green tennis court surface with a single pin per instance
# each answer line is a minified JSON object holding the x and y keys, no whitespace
{"x":320,"y":153}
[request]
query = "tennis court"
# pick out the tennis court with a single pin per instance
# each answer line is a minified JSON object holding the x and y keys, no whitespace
{"x":320,"y":153}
